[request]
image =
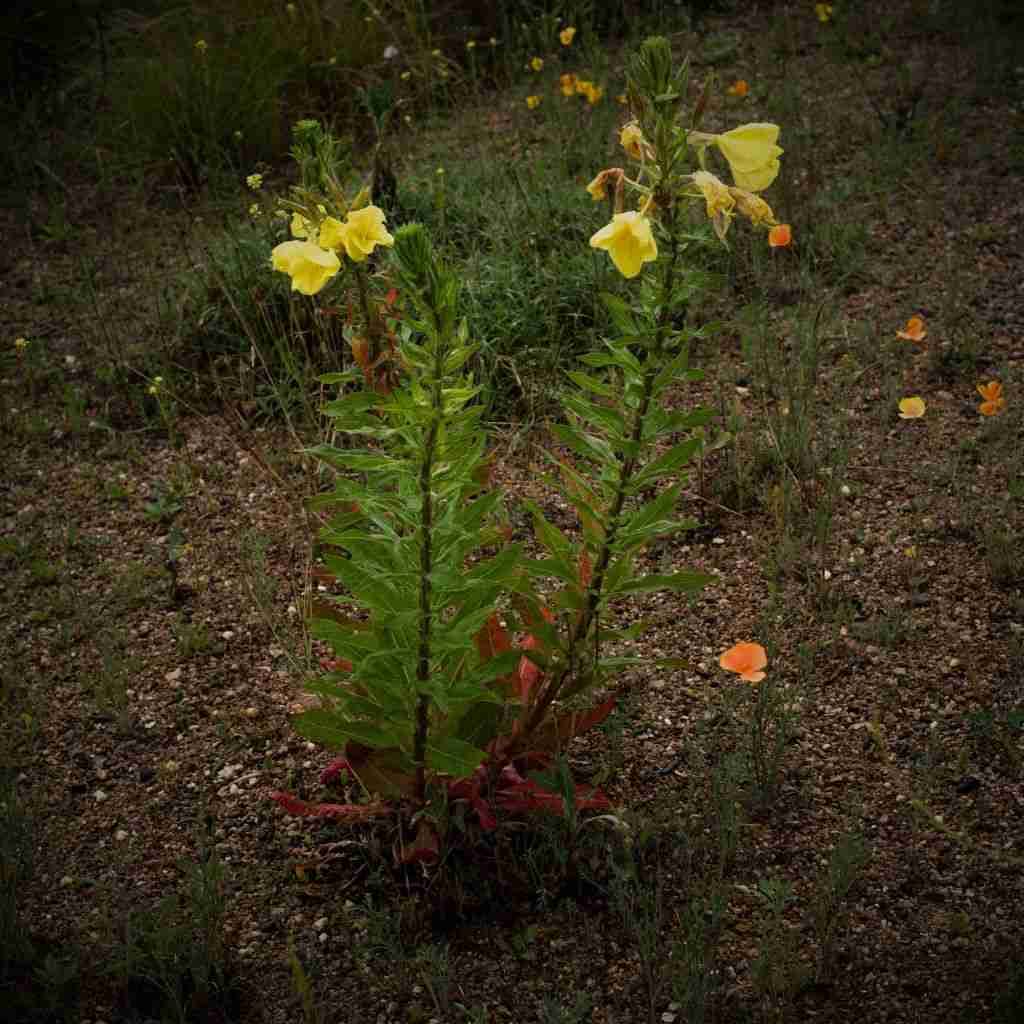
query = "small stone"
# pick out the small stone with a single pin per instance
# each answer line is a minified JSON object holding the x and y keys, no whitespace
{"x":99,"y":796}
{"x":173,"y":676}
{"x":320,"y":924}
{"x":120,"y":835}
{"x":66,"y":882}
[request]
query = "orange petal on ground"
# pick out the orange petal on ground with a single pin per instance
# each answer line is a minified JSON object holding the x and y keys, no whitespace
{"x":780,"y":236}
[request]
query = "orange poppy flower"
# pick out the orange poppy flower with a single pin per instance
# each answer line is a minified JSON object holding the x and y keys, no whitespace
{"x":780,"y":236}
{"x":911,"y":408}
{"x":914,"y":331}
{"x":992,"y":393}
{"x":747,"y":660}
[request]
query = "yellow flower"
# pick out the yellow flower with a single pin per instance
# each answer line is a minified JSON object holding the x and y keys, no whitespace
{"x":992,"y":393}
{"x":471,"y":45}
{"x":632,"y":140}
{"x":568,"y":84}
{"x":363,"y":231}
{"x":594,"y":93}
{"x":254,"y":181}
{"x":303,"y":228}
{"x":405,"y":76}
{"x":718,"y":199}
{"x":738,"y":88}
{"x":493,"y":41}
{"x":566,"y":36}
{"x":582,"y":85}
{"x":629,"y":241}
{"x":753,"y":207}
{"x":533,"y":102}
{"x":911,"y":408}
{"x":332,"y":234}
{"x":824,"y":12}
{"x":309,"y":266}
{"x":254,"y":210}
{"x":536,"y":63}
{"x":752,"y":154}
{"x":201,"y":47}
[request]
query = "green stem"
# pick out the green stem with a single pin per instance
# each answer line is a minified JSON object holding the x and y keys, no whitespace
{"x":585,"y":621}
{"x":426,"y":564}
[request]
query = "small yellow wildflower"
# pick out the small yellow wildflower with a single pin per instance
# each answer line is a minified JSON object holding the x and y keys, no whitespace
{"x":537,"y":63}
{"x":582,"y":85}
{"x":568,"y":84}
{"x":201,"y":47}
{"x":533,"y":102}
{"x":254,"y":210}
{"x":435,"y":53}
{"x":156,"y":387}
{"x":471,"y":44}
{"x":309,"y":266}
{"x":594,"y":93}
{"x":21,"y":344}
{"x":824,"y":12}
{"x":911,"y":408}
{"x":254,"y":181}
{"x":566,"y":36}
{"x":440,"y":170}
{"x":718,"y":200}
{"x":629,"y":241}
{"x":405,"y":76}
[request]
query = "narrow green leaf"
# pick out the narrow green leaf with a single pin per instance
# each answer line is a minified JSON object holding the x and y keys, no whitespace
{"x":678,"y":582}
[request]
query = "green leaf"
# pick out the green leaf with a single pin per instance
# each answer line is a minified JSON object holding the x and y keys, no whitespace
{"x":587,"y":445}
{"x":452,"y":756}
{"x":591,"y":384}
{"x":369,"y":589}
{"x":597,"y":415}
{"x":674,"y":459}
{"x":621,"y":314}
{"x":354,"y":459}
{"x":679,"y":582}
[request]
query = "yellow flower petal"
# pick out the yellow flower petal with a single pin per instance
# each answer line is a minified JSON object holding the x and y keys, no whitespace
{"x":566,"y":36}
{"x":332,"y":234}
{"x":632,"y":140}
{"x":752,"y":154}
{"x":363,"y":231}
{"x":629,"y":241}
{"x":309,"y":266}
{"x":302,"y":228}
{"x":718,"y":200}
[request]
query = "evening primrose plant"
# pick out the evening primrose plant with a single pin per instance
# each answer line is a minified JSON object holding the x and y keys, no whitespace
{"x":460,"y":665}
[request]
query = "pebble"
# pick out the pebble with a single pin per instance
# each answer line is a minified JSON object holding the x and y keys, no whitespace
{"x":99,"y":796}
{"x":120,"y":835}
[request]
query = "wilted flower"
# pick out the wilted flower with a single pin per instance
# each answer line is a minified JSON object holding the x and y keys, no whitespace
{"x":303,"y":228}
{"x":537,"y":63}
{"x":824,"y":12}
{"x":780,"y":236}
{"x":598,"y":188}
{"x":632,"y":140}
{"x":992,"y":393}
{"x":568,"y":84}
{"x":911,"y":408}
{"x":566,"y":36}
{"x":747,"y":660}
{"x":254,"y":181}
{"x":717,"y":199}
{"x":309,"y":266}
{"x":914,"y":331}
{"x":738,"y":88}
{"x":629,"y":241}
{"x":754,"y":208}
